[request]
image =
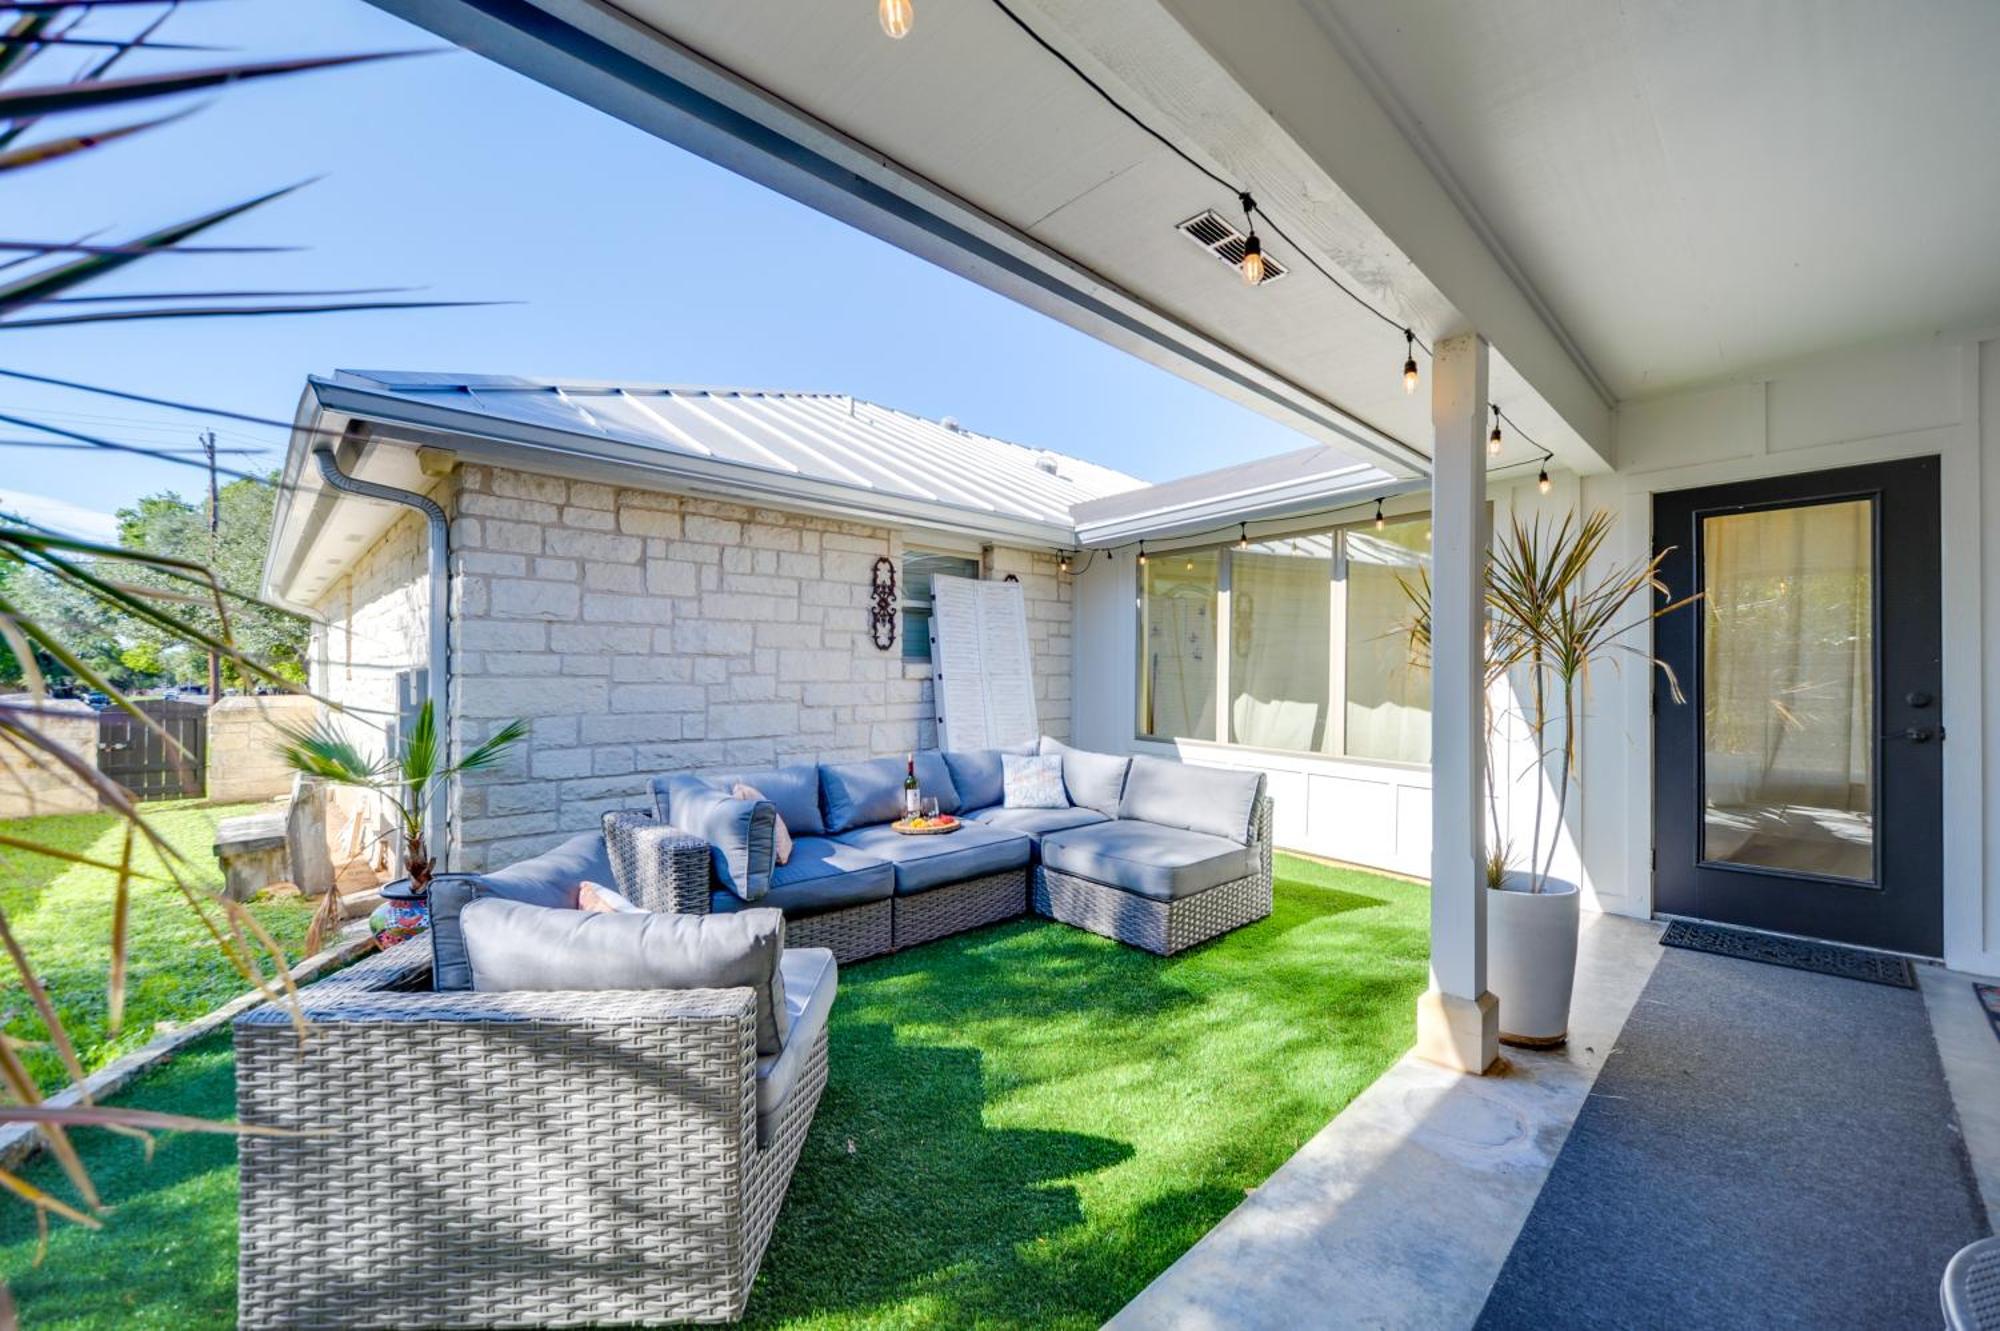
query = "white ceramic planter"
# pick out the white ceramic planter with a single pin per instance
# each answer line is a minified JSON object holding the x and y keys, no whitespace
{"x":1531,"y":958}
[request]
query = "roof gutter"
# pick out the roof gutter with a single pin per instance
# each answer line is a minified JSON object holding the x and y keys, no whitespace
{"x":438,"y":670}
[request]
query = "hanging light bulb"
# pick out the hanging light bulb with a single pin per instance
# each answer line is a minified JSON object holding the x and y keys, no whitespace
{"x":1409,"y":363}
{"x":898,"y":16}
{"x":1380,"y":521}
{"x":1493,"y":440}
{"x":1142,"y":554}
{"x":1542,"y":482}
{"x":1253,"y":260}
{"x":1242,"y":536}
{"x":1253,"y":248}
{"x":1064,"y":565}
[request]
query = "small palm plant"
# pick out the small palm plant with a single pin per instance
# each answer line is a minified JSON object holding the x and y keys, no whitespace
{"x":1549,"y":615}
{"x":405,"y":775}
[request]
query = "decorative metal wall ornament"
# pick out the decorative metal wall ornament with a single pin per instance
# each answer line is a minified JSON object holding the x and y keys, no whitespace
{"x":1011,"y":577}
{"x":882,"y":612}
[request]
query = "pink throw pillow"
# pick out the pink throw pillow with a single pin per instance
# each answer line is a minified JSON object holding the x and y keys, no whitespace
{"x":602,"y":900}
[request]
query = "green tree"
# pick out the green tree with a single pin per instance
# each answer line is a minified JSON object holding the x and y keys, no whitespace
{"x":169,"y":524}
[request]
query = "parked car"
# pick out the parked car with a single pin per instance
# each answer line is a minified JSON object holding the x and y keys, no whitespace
{"x":98,"y":701}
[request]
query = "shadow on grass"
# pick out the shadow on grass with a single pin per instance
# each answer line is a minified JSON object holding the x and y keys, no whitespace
{"x":904,"y":1183}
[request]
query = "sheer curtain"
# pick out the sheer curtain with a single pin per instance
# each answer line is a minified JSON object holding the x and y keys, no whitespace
{"x":1281,"y":643}
{"x":1388,"y":694}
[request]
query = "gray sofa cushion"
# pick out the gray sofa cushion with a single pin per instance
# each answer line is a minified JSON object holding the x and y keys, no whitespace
{"x":822,"y":875}
{"x":1214,"y":800}
{"x":925,"y":862}
{"x":794,"y":790}
{"x":548,"y":879}
{"x":516,"y":946}
{"x":976,"y":773}
{"x":1163,"y":863}
{"x":1034,"y":824}
{"x":869,"y":792}
{"x":811,"y":978}
{"x":741,"y":834}
{"x":1094,"y":780}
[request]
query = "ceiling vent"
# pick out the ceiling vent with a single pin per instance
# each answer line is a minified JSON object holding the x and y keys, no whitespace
{"x":1225,"y":242}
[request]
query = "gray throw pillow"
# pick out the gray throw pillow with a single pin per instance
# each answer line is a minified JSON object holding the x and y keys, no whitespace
{"x":1215,"y":800}
{"x":1094,"y":780}
{"x":866,"y":793}
{"x":551,"y":878}
{"x":741,"y":834}
{"x":1033,"y":783}
{"x":514,"y":946}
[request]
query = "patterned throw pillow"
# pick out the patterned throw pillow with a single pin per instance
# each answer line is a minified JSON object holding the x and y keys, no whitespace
{"x":781,"y":836}
{"x":1032,"y":782}
{"x":602,"y":900}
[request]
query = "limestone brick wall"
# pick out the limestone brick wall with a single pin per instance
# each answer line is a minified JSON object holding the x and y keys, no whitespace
{"x":243,"y":763}
{"x":642,"y":632}
{"x":33,"y":784}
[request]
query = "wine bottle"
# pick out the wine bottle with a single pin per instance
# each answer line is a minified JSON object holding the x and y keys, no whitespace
{"x":912,"y":797}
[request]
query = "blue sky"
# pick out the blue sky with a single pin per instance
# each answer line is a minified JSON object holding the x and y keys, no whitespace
{"x":630,"y":259}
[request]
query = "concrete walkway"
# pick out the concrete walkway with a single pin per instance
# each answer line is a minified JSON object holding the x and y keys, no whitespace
{"x":1401,"y":1212}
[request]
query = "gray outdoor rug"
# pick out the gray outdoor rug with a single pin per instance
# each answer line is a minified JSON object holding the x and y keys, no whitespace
{"x":1764,"y":1148}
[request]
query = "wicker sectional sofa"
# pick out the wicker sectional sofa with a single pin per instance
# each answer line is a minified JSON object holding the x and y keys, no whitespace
{"x":1157,"y":854}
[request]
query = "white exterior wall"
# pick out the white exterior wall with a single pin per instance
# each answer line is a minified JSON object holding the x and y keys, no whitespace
{"x":1935,"y":397}
{"x":642,"y":632}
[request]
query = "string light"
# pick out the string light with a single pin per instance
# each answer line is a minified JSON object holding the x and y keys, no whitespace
{"x":1253,"y":248}
{"x":898,"y":17}
{"x":1409,"y":363}
{"x":1242,"y":536}
{"x":1493,"y":440}
{"x":1064,"y":564}
{"x":1542,"y":482}
{"x":1142,"y":554}
{"x":1380,"y":521}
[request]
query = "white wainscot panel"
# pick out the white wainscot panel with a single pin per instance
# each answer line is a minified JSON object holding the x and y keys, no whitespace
{"x":1352,"y":819}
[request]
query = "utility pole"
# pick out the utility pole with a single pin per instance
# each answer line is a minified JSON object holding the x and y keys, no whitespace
{"x":214,"y":551}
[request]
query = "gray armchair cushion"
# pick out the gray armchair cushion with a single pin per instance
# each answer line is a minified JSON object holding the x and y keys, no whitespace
{"x":1214,"y":800}
{"x":925,"y":862}
{"x":794,"y":790}
{"x":741,"y":834}
{"x":977,"y":775}
{"x":811,"y":977}
{"x":1095,"y":780}
{"x":865,"y":793}
{"x":548,"y":879}
{"x":1035,"y":824}
{"x":822,"y":875}
{"x":516,"y":946}
{"x":1163,"y":863}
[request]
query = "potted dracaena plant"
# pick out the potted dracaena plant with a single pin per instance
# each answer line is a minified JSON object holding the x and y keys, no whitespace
{"x":405,"y":776}
{"x":1549,"y":619}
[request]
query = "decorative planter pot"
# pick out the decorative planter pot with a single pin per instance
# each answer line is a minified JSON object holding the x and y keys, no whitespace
{"x":1531,"y":959}
{"x":402,"y":915}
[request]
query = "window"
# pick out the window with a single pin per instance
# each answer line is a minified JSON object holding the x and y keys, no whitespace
{"x":1281,"y":643}
{"x":1177,"y":681}
{"x":919,"y":567}
{"x":1317,"y":655}
{"x":1388,"y":694}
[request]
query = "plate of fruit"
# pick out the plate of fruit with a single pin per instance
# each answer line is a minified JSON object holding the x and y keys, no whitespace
{"x":919,"y":825}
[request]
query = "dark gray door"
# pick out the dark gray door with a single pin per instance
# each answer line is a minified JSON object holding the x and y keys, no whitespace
{"x":1799,"y":788}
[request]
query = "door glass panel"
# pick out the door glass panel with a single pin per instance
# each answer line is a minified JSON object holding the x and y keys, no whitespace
{"x":1281,"y":643}
{"x":1788,"y":689}
{"x":1177,"y":675}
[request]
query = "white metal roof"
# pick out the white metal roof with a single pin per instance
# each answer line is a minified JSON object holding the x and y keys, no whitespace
{"x":825,"y":437}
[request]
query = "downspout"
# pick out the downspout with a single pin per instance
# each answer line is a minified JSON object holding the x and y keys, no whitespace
{"x":438,"y":672}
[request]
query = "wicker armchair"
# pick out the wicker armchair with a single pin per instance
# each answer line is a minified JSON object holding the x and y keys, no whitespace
{"x":673,"y":871}
{"x":1165,"y":927}
{"x":506,"y":1159}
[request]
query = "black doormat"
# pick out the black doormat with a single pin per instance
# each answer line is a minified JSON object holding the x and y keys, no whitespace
{"x":1853,"y":963}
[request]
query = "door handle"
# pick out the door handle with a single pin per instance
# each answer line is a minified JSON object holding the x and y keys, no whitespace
{"x":1917,"y":734}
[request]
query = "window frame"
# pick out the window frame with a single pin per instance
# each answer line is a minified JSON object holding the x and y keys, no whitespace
{"x":1337,"y":654}
{"x":906,"y":604}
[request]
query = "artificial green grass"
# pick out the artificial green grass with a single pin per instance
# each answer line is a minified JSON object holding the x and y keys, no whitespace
{"x":61,"y":915}
{"x":1022,"y":1127}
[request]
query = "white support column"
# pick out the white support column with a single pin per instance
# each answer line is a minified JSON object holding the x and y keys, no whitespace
{"x":1457,"y":1020}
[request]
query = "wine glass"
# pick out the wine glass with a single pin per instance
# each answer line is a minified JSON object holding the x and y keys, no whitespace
{"x":931,"y":809}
